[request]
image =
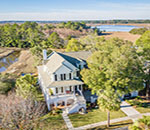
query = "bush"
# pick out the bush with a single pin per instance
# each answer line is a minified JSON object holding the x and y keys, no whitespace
{"x":138,"y":31}
{"x":55,"y":111}
{"x":27,"y":87}
{"x":6,"y":83}
{"x":5,"y":87}
{"x":135,"y":102}
{"x":141,"y":124}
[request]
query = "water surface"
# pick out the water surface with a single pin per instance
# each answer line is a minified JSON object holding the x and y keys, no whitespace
{"x":8,"y":60}
{"x":116,"y":28}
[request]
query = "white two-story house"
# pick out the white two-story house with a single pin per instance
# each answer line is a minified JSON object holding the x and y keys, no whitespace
{"x":59,"y":78}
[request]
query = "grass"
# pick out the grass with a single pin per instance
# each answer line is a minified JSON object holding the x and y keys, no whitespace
{"x":143,"y":109}
{"x":113,"y":125}
{"x":52,"y":122}
{"x":142,"y":105}
{"x":94,"y":116}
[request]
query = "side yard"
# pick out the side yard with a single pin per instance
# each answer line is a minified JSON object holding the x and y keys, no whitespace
{"x":140,"y":104}
{"x":52,"y":122}
{"x":114,"y":125}
{"x":93,"y":116}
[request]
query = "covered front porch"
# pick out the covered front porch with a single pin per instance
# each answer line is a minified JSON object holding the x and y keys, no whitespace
{"x":65,"y":87}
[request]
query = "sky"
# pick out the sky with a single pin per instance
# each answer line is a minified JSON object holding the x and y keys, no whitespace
{"x":59,"y":10}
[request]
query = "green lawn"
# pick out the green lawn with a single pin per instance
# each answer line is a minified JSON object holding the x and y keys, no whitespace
{"x":94,"y":116}
{"x":143,"y":109}
{"x":51,"y":122}
{"x":113,"y":125}
{"x":141,"y":105}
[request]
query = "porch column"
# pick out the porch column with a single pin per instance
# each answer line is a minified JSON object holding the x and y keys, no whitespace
{"x":78,"y":87}
{"x":64,"y":90}
{"x":65,"y":102}
{"x":73,"y":88}
{"x":81,"y":87}
{"x":55,"y":104}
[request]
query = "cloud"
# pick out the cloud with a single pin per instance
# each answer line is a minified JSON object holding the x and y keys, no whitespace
{"x":78,"y":15}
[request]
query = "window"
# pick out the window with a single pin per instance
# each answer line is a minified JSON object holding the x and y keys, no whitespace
{"x":55,"y":77}
{"x":70,"y":88}
{"x":64,"y":76}
{"x":56,"y":90}
{"x":62,"y":89}
{"x":76,"y":88}
{"x":78,"y":73}
{"x":70,"y":76}
{"x":80,"y":67}
{"x":79,"y":87}
{"x":61,"y":76}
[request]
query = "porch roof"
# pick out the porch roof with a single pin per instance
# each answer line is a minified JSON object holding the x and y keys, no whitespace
{"x":66,"y":83}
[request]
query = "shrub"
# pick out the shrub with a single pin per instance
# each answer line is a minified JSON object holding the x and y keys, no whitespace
{"x":6,"y":83}
{"x":138,"y":31}
{"x":141,"y":124}
{"x":20,"y":114}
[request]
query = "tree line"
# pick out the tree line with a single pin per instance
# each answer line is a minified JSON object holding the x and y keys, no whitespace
{"x":31,"y":34}
{"x":118,"y":21}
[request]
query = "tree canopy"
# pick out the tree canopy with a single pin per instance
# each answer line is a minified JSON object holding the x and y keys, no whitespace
{"x":143,"y":45}
{"x":27,"y":86}
{"x":113,"y":65}
{"x":73,"y":25}
{"x":114,"y":69}
{"x":28,"y":35}
{"x":74,"y":45}
{"x":139,"y":31}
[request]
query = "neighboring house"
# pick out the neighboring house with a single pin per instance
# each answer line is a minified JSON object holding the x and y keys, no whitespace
{"x":59,"y":78}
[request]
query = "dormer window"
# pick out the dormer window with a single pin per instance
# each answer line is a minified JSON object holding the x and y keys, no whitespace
{"x":70,"y":76}
{"x":78,"y":73}
{"x":63,"y":76}
{"x":80,"y":67}
{"x":55,"y":77}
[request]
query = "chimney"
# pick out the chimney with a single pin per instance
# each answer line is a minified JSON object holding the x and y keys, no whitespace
{"x":44,"y":54}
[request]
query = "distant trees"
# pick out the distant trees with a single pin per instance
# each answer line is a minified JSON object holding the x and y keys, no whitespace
{"x":73,"y":25}
{"x":28,"y":35}
{"x":37,"y":53}
{"x":114,"y":69}
{"x":55,"y":41}
{"x":138,"y":31}
{"x":25,"y":35}
{"x":74,"y":45}
{"x":117,"y":21}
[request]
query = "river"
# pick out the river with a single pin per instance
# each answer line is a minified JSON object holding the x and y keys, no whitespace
{"x":8,"y":60}
{"x":116,"y":28}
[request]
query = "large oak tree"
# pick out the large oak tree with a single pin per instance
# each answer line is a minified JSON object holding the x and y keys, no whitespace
{"x":114,"y":69}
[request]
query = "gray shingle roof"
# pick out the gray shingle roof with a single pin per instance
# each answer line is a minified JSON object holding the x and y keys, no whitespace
{"x":66,"y":83}
{"x":55,"y":59}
